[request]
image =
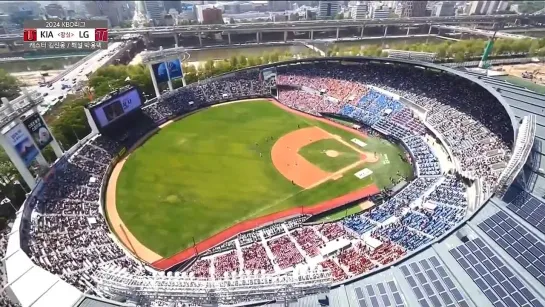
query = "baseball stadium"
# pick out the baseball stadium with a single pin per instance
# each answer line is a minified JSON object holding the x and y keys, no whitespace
{"x":346,"y":181}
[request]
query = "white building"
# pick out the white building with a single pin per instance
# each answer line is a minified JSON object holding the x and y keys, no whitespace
{"x":188,"y":11}
{"x":488,"y":7}
{"x":328,"y":9}
{"x":155,"y":11}
{"x":378,"y":11}
{"x":360,"y":10}
{"x":443,"y":8}
{"x":503,"y":6}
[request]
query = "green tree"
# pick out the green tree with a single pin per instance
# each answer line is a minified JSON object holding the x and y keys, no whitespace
{"x":251,"y":61}
{"x":242,"y":61}
{"x":108,"y":78}
{"x":70,"y":123}
{"x":339,"y":16}
{"x":459,"y":57}
{"x":534,"y":47}
{"x":9,"y":86}
{"x":266,"y":58}
{"x":234,"y":61}
{"x":275,"y":56}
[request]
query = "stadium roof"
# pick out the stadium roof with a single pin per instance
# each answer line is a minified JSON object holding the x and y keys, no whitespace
{"x":523,"y":102}
{"x":96,"y":302}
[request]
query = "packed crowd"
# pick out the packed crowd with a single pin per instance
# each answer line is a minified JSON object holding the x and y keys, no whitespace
{"x":255,"y":258}
{"x":226,"y":263}
{"x":306,"y":102}
{"x":201,"y":268}
{"x":185,"y":99}
{"x":395,"y":205}
{"x":332,"y":231}
{"x":309,"y":241}
{"x":69,"y":237}
{"x":338,"y":88}
{"x":457,"y":109}
{"x":285,"y":252}
{"x":358,"y":224}
{"x":372,"y":109}
{"x":434,"y":222}
{"x":355,"y":261}
{"x":4,"y":300}
{"x":337,"y":272}
{"x":451,"y":191}
{"x":402,"y":235}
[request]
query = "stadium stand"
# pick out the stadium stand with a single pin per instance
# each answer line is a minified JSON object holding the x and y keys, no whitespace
{"x":68,"y":236}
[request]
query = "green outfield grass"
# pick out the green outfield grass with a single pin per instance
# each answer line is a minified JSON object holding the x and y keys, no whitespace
{"x":315,"y":153}
{"x":204,"y":173}
{"x":339,"y":214}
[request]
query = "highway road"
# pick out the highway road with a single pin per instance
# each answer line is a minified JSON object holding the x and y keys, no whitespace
{"x":55,"y":92}
{"x":304,"y":25}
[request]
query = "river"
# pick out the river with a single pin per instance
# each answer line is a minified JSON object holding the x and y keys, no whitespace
{"x":38,"y":64}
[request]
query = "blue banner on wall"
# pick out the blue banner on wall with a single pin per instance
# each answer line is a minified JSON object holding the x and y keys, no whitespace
{"x":175,"y":69}
{"x":160,"y":72}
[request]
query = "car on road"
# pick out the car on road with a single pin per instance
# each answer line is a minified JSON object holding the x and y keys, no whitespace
{"x":45,"y":94}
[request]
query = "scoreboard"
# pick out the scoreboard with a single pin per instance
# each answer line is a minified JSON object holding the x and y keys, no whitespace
{"x":115,"y":106}
{"x":65,"y":34}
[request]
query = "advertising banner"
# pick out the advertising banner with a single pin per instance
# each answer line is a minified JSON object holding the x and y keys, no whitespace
{"x":19,"y":139}
{"x":268,"y":76}
{"x":160,"y":72}
{"x":174,"y":69}
{"x":38,"y":130}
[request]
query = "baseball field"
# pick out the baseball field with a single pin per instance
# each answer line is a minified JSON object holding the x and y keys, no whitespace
{"x":226,"y":164}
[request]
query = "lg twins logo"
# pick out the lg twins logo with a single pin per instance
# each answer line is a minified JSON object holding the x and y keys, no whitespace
{"x":126,"y":103}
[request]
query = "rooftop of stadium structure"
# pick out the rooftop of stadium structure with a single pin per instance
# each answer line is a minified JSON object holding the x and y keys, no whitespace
{"x":436,"y":273}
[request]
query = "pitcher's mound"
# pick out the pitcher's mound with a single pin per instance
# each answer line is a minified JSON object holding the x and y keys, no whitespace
{"x":332,"y":153}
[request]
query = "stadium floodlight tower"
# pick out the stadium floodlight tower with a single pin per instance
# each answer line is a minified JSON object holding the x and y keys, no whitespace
{"x":154,"y":59}
{"x":24,"y":134}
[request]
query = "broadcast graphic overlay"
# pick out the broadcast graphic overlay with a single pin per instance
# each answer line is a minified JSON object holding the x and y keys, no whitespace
{"x":65,"y":34}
